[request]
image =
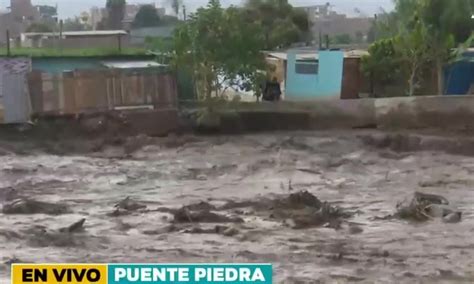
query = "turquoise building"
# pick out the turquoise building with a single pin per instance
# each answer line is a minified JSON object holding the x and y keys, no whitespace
{"x":317,"y":77}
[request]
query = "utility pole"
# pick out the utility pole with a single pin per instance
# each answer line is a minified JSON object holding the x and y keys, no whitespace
{"x":327,"y":41}
{"x":184,"y":13}
{"x":61,"y":23}
{"x":320,"y":39}
{"x":8,"y":43}
{"x":372,"y":83}
{"x":375,"y":27}
{"x":119,"y":41}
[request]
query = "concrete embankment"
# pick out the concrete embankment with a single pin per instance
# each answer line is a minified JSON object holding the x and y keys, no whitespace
{"x":453,"y":113}
{"x":442,"y":114}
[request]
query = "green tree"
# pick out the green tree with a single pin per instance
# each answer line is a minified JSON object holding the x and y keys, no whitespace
{"x":168,"y":20}
{"x":425,"y":33}
{"x":282,"y":24}
{"x":413,"y":50}
{"x":39,"y":28}
{"x":115,"y":14}
{"x":382,"y":64}
{"x":359,"y":37}
{"x":342,"y":39}
{"x":147,"y":16}
{"x":75,"y":24}
{"x":220,"y":47}
{"x":447,"y":23}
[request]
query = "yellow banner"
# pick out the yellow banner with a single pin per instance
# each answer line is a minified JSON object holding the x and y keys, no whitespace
{"x":59,"y":273}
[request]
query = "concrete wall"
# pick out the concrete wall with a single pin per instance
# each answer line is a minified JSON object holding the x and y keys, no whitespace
{"x":327,"y":83}
{"x":445,"y":113}
{"x":93,"y":91}
{"x":453,"y":113}
{"x":111,"y":42}
{"x":439,"y":112}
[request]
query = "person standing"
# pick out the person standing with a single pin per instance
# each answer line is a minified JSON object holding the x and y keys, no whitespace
{"x":272,"y":90}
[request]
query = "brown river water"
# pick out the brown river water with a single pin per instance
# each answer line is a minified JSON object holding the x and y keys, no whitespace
{"x":334,"y":166}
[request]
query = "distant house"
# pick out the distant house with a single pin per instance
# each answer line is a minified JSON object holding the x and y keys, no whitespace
{"x":77,"y":39}
{"x":322,"y":74}
{"x":325,"y":21}
{"x":96,"y":15}
{"x":59,"y":85}
{"x":19,"y":17}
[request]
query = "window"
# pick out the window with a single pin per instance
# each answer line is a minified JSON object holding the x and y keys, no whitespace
{"x":307,"y":67}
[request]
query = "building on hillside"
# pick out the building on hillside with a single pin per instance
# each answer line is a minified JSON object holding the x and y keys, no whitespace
{"x":77,"y":39}
{"x":308,"y":75}
{"x":24,"y":10}
{"x":20,"y":15}
{"x":327,"y":22}
{"x":47,"y":13}
{"x":96,"y":15}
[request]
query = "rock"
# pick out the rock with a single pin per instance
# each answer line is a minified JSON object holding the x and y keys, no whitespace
{"x":431,"y":198}
{"x":438,"y":210}
{"x":119,"y":212}
{"x":423,"y":207}
{"x":453,"y":217}
{"x":8,"y":194}
{"x":184,"y":215}
{"x":8,"y":234}
{"x":167,"y":229}
{"x":355,"y":229}
{"x":230,"y":232}
{"x":301,"y":199}
{"x":74,"y":228}
{"x":129,"y":205}
{"x":200,"y":206}
{"x":29,"y":206}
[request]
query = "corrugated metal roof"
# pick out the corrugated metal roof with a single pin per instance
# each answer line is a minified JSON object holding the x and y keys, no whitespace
{"x":315,"y":55}
{"x":131,"y":64}
{"x":79,"y":33}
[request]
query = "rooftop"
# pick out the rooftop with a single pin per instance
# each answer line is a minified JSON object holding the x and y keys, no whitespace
{"x":80,"y":33}
{"x":305,"y":54}
{"x":131,"y":64}
{"x":77,"y":52}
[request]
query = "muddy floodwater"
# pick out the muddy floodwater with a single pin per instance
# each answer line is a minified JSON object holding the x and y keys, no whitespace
{"x":343,"y":169}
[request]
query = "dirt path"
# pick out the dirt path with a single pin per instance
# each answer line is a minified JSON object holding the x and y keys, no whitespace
{"x":339,"y":168}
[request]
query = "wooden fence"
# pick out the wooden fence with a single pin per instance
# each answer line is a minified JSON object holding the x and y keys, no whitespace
{"x":93,"y":90}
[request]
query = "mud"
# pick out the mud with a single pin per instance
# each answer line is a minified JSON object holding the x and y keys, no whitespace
{"x":277,"y":185}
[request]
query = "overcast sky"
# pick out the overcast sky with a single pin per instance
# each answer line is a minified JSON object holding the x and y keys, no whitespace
{"x":68,"y":8}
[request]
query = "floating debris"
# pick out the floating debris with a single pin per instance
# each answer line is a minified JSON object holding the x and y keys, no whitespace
{"x":74,"y":228}
{"x":201,"y":206}
{"x":29,"y":206}
{"x":184,"y":215}
{"x":298,"y":210}
{"x":130,"y":205}
{"x":424,"y":207}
